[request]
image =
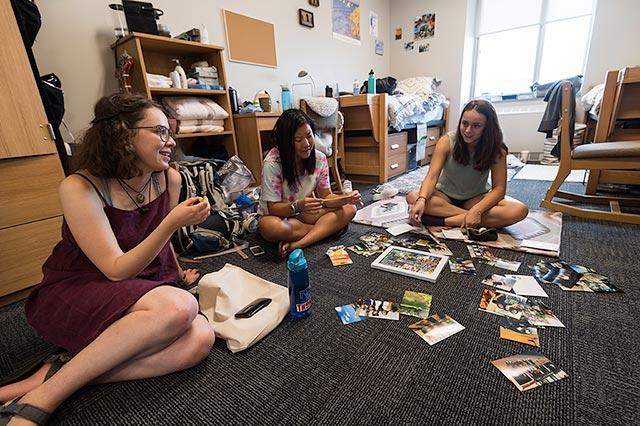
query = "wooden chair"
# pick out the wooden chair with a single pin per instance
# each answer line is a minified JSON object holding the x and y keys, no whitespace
{"x":620,"y":101}
{"x":337,"y":140}
{"x":623,"y":155}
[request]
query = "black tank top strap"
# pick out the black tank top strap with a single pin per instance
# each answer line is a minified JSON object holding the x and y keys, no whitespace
{"x":94,"y":187}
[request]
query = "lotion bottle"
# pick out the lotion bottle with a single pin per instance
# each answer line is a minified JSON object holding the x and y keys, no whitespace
{"x":181,"y":73}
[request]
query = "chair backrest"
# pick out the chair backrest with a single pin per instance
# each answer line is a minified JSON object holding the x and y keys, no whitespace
{"x":620,"y":101}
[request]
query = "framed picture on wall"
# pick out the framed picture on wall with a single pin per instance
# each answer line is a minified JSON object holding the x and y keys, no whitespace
{"x":305,"y":18}
{"x":315,"y":3}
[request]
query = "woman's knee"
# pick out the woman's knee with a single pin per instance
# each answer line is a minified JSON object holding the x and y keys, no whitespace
{"x":174,"y":308}
{"x":200,"y":343}
{"x":349,"y":212}
{"x":271,"y":228}
{"x":521,"y":211}
{"x":412,"y":197}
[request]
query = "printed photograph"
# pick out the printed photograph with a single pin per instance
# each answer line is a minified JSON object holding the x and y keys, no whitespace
{"x":436,"y":328}
{"x":529,"y":370}
{"x":423,"y":48}
{"x":347,"y":314}
{"x":398,"y":33}
{"x":557,"y":272}
{"x":339,"y":256}
{"x":499,"y":281}
{"x":415,"y":304}
{"x":504,"y":304}
{"x":520,"y":331}
{"x":377,"y":309}
{"x":476,"y":251}
{"x":460,"y":265}
{"x":408,"y":46}
{"x":413,"y":263}
{"x":379,"y":47}
{"x":540,"y":315}
{"x":424,"y":26}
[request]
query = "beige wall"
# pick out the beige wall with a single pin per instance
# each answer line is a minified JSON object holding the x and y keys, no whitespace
{"x":76,"y":34}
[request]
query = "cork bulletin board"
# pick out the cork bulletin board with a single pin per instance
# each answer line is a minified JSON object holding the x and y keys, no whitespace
{"x":250,"y":40}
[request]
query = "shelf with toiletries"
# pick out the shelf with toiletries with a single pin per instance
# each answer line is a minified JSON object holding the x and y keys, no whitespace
{"x":156,"y":58}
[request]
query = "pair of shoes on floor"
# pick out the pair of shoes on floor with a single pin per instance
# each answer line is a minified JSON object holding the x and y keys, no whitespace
{"x":382,"y":192}
{"x":31,"y":412}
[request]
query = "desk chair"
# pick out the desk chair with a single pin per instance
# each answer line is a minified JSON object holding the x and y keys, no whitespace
{"x":330,"y":124}
{"x":596,"y":156}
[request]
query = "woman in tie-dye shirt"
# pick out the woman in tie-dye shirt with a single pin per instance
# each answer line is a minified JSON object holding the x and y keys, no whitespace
{"x":296,"y":202}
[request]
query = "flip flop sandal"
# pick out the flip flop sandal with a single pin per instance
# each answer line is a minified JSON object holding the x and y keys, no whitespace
{"x":26,"y":411}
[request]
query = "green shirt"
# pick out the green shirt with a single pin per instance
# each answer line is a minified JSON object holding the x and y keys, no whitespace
{"x":459,"y":181}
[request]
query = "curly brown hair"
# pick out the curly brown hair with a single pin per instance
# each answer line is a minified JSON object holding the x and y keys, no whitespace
{"x":106,"y":148}
{"x":491,"y":143}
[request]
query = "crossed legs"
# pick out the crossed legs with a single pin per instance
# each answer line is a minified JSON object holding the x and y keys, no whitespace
{"x":304,"y":230}
{"x":507,"y":212}
{"x":160,"y":334}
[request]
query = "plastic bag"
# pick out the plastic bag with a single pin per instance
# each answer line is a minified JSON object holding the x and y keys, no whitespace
{"x":235,"y":175}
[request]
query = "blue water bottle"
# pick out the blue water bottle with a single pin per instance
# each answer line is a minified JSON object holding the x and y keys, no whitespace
{"x":299,"y":287}
{"x":285,"y":97}
{"x":371,"y":83}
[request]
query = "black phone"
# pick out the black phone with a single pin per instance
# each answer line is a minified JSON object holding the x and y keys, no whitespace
{"x":252,"y":308}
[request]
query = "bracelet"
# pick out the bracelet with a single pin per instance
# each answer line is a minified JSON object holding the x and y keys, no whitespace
{"x":424,"y":198}
{"x":295,"y":208}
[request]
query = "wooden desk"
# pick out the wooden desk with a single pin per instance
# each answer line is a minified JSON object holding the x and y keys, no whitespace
{"x":253,"y":136}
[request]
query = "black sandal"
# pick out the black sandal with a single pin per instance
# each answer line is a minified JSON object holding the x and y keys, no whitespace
{"x":26,"y":411}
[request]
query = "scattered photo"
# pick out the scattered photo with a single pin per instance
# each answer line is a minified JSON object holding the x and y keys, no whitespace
{"x":347,"y":314}
{"x":540,"y":315}
{"x":415,"y":304}
{"x":398,"y":33}
{"x":371,"y":243}
{"x":503,"y":304}
{"x":412,"y":263}
{"x":436,"y":328}
{"x":423,"y":48}
{"x":481,"y":252}
{"x":519,"y":331}
{"x":499,"y":281}
{"x":408,"y":46}
{"x":509,"y":265}
{"x":593,"y":283}
{"x":557,"y":272}
{"x":529,"y":370}
{"x":339,"y":256}
{"x":460,"y":265}
{"x":453,"y":234}
{"x":526,"y":285}
{"x":377,"y":309}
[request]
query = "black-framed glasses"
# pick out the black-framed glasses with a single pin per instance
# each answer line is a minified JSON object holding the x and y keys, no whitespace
{"x":164,"y":132}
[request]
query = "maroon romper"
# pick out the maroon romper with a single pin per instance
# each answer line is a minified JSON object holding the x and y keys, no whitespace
{"x":76,"y":302}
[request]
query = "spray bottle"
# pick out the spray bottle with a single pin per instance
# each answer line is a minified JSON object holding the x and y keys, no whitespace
{"x":181,"y":73}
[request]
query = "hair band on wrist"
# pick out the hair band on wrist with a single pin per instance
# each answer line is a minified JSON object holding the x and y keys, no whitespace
{"x":424,"y":198}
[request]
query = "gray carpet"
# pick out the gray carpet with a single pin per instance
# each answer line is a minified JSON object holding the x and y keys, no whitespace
{"x":320,"y":372}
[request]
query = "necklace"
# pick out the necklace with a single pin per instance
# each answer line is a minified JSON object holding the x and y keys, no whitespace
{"x":139,"y":194}
{"x":138,"y":203}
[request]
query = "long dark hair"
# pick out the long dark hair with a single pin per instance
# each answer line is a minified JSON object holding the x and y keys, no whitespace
{"x":491,"y":143}
{"x":106,"y":148}
{"x":284,"y":133}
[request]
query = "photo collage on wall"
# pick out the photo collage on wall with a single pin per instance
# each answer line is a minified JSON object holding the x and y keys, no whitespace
{"x":424,"y":26}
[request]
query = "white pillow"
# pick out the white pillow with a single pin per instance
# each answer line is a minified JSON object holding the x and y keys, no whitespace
{"x":417,"y":85}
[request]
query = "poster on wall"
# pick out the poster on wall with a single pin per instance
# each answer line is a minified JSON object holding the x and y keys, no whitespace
{"x":424,"y":26}
{"x":346,"y":20}
{"x":373,"y":24}
{"x":379,"y":47}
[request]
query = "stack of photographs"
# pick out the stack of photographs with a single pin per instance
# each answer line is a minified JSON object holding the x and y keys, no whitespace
{"x":484,"y":255}
{"x":371,"y":243}
{"x":529,"y":370}
{"x":436,"y":328}
{"x":424,"y":242}
{"x":412,"y":263}
{"x":518,"y":307}
{"x":573,"y":277}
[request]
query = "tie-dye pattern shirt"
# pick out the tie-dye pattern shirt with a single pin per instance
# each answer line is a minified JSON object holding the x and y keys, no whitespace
{"x":275,"y":189}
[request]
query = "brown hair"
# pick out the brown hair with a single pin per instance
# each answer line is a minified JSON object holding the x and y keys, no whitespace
{"x":283,"y":133}
{"x":106,"y":148}
{"x":491,"y":143}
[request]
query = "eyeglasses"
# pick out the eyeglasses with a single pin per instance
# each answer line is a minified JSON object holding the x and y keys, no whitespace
{"x":164,"y":132}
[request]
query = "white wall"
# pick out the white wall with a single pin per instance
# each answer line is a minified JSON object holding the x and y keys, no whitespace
{"x":76,"y":34}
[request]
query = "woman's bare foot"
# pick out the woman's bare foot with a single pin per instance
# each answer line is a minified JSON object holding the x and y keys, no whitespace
{"x":284,"y":247}
{"x":17,"y":389}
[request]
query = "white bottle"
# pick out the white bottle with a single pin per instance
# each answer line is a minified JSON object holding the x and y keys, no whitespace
{"x":175,"y":79}
{"x":181,"y":73}
{"x":356,"y":87}
{"x":204,"y":34}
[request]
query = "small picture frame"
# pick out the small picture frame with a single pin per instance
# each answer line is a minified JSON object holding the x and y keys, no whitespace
{"x":305,"y":18}
{"x":411,"y":263}
{"x":314,"y":3}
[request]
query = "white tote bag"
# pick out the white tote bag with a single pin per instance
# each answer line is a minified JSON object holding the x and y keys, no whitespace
{"x":227,"y":291}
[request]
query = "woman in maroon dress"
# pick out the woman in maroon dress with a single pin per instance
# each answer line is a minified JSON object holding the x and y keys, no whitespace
{"x":109,"y":293}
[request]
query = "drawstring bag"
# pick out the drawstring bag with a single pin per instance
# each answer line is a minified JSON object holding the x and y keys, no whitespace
{"x":223,"y":293}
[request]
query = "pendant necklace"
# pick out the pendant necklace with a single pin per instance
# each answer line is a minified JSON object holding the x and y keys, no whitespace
{"x":139,"y":200}
{"x":139,"y":194}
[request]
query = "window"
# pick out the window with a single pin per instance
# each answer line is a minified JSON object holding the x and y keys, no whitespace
{"x":519,"y":42}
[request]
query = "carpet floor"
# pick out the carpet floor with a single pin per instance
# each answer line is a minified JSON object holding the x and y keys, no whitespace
{"x":318,"y":371}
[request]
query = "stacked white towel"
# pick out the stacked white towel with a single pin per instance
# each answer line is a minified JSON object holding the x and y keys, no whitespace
{"x":158,"y":81}
{"x":196,"y":114}
{"x":198,"y":126}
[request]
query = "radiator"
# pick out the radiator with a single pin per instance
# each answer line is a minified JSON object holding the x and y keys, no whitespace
{"x":519,"y":122}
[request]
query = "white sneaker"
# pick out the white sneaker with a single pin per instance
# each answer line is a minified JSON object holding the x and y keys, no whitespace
{"x":384,"y":192}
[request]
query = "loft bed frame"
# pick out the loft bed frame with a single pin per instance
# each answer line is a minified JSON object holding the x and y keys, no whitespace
{"x":373,"y":153}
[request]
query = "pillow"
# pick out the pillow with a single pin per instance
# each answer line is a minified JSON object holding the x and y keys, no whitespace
{"x":417,"y":85}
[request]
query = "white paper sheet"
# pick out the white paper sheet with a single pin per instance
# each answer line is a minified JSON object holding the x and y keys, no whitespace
{"x":527,"y":286}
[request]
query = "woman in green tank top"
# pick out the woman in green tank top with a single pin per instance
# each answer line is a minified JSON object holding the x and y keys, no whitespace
{"x":455,"y":191}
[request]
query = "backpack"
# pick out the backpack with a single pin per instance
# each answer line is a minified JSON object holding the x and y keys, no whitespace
{"x":225,"y":224}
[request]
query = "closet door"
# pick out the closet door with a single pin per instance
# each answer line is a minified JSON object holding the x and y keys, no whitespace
{"x":24,"y":129}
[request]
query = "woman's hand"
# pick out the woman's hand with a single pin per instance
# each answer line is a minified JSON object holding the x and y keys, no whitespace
{"x":472,"y":219}
{"x":190,"y":212}
{"x":189,"y":276}
{"x":356,"y":198}
{"x":310,"y":205}
{"x":418,"y":210}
